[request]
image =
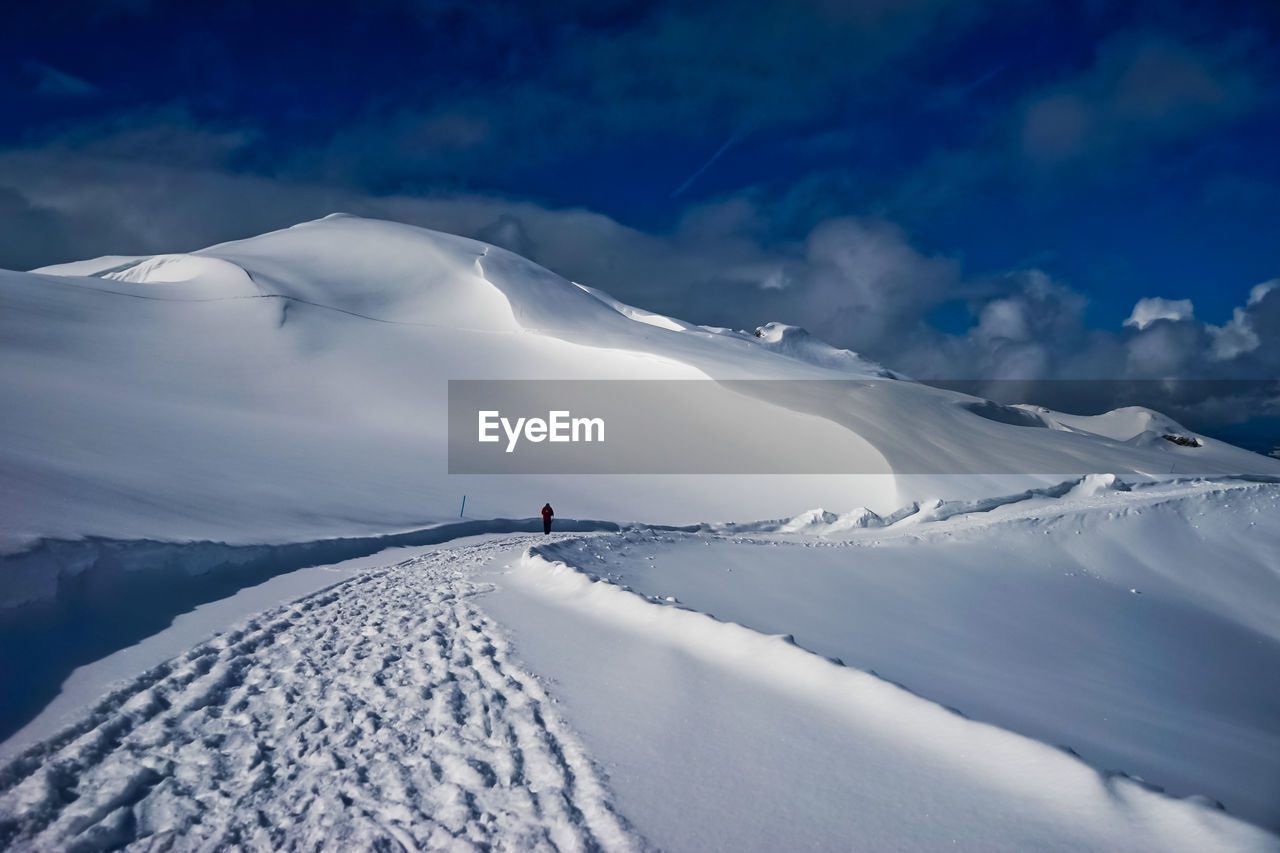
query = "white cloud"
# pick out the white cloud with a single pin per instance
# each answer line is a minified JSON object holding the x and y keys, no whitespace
{"x":1238,"y":336}
{"x":1003,"y":319}
{"x":1154,"y":308}
{"x":1259,"y":291}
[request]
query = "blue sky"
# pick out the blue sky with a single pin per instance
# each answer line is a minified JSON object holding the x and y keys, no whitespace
{"x":981,"y":188}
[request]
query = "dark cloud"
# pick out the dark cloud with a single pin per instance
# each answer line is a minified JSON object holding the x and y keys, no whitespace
{"x":758,"y":62}
{"x":168,"y":135}
{"x":33,"y":234}
{"x":1142,"y":92}
{"x":1142,"y":88}
{"x":863,"y":282}
{"x":591,"y":79}
{"x":509,"y":232}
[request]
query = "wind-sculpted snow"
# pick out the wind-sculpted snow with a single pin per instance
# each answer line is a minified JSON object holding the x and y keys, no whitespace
{"x":1067,"y":495}
{"x":912,"y":775}
{"x":825,"y":523}
{"x":382,"y":713}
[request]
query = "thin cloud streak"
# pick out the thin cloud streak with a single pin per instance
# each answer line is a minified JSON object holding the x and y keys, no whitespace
{"x":714,"y":157}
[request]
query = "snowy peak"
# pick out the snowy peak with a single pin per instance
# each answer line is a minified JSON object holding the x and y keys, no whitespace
{"x":402,"y":273}
{"x":379,"y":270}
{"x":797,"y":343}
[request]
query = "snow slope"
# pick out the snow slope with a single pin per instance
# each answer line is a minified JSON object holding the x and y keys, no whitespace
{"x":1138,"y":630}
{"x":230,"y":406}
{"x":292,"y":386}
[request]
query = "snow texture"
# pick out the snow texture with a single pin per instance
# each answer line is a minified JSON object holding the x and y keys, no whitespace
{"x":385,"y":712}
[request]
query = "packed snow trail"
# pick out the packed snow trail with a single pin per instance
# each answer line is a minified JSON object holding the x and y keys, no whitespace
{"x":381,"y":713}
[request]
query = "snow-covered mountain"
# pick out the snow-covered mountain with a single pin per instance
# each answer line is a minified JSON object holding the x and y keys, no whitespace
{"x":293,"y":386}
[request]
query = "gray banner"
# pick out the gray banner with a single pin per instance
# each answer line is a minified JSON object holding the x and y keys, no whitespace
{"x":864,"y":426}
{"x":639,"y":427}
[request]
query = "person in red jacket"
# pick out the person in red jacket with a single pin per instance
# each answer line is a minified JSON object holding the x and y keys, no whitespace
{"x":547,"y":512}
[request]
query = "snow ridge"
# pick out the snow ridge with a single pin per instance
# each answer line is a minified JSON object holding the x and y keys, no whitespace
{"x":821,"y":522}
{"x":383,"y":712}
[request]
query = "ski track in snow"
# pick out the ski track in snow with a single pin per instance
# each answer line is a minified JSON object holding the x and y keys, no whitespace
{"x":381,"y":713}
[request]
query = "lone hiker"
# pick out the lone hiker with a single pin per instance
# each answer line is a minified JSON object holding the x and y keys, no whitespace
{"x":547,"y":512}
